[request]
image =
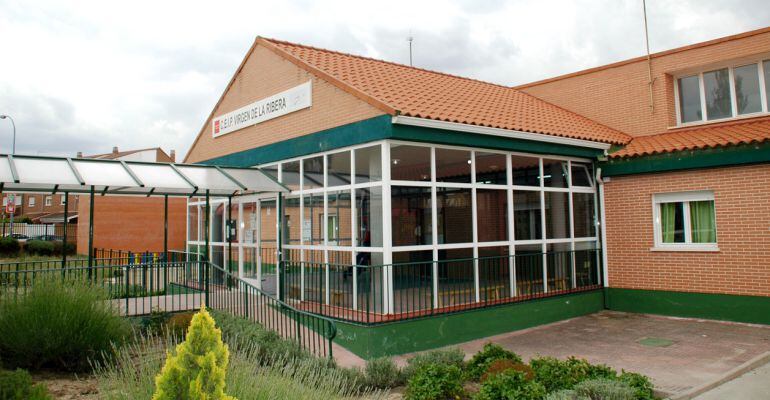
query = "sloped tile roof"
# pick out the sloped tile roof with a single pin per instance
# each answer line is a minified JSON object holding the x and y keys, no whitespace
{"x":402,"y":90}
{"x":755,"y":130}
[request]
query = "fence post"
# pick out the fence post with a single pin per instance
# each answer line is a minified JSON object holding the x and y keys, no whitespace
{"x":64,"y":236}
{"x":91,"y":235}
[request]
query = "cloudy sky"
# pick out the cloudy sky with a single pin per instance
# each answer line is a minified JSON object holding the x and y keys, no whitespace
{"x":89,"y":75}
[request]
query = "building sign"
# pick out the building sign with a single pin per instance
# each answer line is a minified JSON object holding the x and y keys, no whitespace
{"x":294,"y":99}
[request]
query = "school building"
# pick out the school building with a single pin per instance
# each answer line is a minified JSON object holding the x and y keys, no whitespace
{"x":428,"y":209}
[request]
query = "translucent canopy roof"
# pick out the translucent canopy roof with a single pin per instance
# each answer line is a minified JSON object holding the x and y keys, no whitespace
{"x":21,"y":173}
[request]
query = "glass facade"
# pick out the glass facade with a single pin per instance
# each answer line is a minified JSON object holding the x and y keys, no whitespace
{"x":473,"y":224}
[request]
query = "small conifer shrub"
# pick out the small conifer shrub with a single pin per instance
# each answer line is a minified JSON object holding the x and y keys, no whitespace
{"x":196,"y":369}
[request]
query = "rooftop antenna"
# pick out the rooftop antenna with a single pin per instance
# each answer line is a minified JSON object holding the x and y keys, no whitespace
{"x":650,"y":80}
{"x":409,"y":39}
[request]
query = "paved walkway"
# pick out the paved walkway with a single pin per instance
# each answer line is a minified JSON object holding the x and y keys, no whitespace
{"x":678,"y":354}
{"x":752,"y":385}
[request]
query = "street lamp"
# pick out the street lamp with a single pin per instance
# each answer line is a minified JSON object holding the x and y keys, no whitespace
{"x":14,"y":131}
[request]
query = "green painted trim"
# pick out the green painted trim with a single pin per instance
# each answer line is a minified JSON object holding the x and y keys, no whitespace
{"x":380,"y":128}
{"x":442,"y":136}
{"x":681,"y":160}
{"x":725,"y":307}
{"x":448,"y":329}
{"x":359,"y":132}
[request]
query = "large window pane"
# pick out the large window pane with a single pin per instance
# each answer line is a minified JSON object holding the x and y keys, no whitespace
{"x":529,"y":269}
{"x":453,"y":166}
{"x":492,"y":215}
{"x":411,"y":215}
{"x":409,"y":163}
{"x":312,"y":173}
{"x":526,"y":215}
{"x":747,"y":89}
{"x":369,"y":217}
{"x":290,"y":175}
{"x":586,"y":264}
{"x":455,"y":215}
{"x":368,"y":164}
{"x":338,"y":169}
{"x":412,"y":280}
{"x":689,"y":99}
{"x":702,"y":222}
{"x":559,"y":261}
{"x":672,"y":222}
{"x":583,"y":206}
{"x":494,"y":273}
{"x":338,"y":229}
{"x":555,"y":173}
{"x":312,"y":226}
{"x":271,"y":170}
{"x":491,"y":168}
{"x":456,"y":284}
{"x":525,"y":170}
{"x":717,"y":87}
{"x":557,"y":218}
{"x":291,"y":225}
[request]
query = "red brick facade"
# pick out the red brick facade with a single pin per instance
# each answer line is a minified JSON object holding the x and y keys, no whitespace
{"x":742,"y":201}
{"x":132,"y":223}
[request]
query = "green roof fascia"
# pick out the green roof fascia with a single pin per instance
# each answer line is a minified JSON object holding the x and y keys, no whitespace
{"x":456,"y":138}
{"x":688,"y":159}
{"x":380,"y":128}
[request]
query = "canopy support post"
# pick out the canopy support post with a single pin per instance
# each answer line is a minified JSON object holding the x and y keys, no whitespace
{"x":165,"y":227}
{"x":229,"y":234}
{"x":91,"y":234}
{"x":64,"y":236}
{"x":281,"y":221}
{"x":206,"y":255}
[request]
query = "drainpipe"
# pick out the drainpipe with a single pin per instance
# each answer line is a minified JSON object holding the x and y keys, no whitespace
{"x":602,"y":221}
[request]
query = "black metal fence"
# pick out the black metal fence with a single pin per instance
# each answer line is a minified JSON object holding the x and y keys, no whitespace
{"x":139,"y":288}
{"x":361,"y":294}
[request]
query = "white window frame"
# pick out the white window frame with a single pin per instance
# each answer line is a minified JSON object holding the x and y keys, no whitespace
{"x":31,"y":201}
{"x":48,"y":201}
{"x":761,"y":63}
{"x":685,"y":198}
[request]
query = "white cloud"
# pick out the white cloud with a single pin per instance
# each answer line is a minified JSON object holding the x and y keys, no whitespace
{"x":88,"y":75}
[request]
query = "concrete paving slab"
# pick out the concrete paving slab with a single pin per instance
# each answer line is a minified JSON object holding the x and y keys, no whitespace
{"x":752,"y":385}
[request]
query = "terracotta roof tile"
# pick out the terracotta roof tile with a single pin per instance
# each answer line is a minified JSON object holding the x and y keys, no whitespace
{"x":402,"y":90}
{"x":755,"y":130}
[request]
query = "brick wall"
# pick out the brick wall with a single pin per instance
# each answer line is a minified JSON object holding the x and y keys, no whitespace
{"x":618,"y":95}
{"x":742,"y":200}
{"x":132,"y":223}
{"x":265,"y":74}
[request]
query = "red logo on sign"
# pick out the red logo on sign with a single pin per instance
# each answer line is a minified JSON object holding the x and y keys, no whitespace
{"x":216,"y":126}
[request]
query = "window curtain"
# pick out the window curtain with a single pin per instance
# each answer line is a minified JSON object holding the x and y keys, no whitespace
{"x":702,"y":222}
{"x":667,"y":222}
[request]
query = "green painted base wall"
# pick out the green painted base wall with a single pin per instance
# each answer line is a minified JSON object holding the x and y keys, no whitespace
{"x":750,"y":309}
{"x":438,"y":331}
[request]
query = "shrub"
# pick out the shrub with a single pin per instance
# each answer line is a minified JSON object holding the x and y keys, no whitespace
{"x":435,"y":382}
{"x":490,"y":353}
{"x":59,"y":247}
{"x":9,"y":246}
{"x":178,"y":324}
{"x":60,"y":324}
{"x":641,"y":384}
{"x":131,"y":374}
{"x":382,"y":373}
{"x":17,"y":385}
{"x":40,"y":247}
{"x":499,"y":366}
{"x":197,"y":368}
{"x":242,"y":333}
{"x":557,"y":374}
{"x":451,"y":356}
{"x":510,"y":384}
{"x":605,"y":389}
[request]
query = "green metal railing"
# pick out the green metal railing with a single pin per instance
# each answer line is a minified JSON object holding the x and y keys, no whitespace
{"x":140,"y":288}
{"x":360,"y":293}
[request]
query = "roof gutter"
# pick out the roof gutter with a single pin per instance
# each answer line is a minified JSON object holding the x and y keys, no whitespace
{"x":483,"y":130}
